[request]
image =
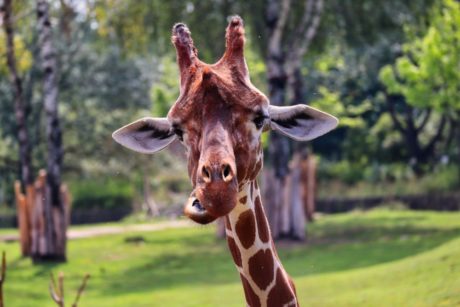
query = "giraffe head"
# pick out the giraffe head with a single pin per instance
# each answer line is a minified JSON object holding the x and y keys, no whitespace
{"x":219,"y":117}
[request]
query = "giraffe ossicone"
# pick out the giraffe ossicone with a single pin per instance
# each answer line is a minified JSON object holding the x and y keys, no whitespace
{"x":219,"y":117}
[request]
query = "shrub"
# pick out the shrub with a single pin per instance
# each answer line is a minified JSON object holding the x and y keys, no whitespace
{"x":103,"y":194}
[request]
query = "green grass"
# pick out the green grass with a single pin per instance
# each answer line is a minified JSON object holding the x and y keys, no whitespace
{"x":375,"y":258}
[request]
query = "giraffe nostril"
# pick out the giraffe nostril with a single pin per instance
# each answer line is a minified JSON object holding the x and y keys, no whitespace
{"x":197,"y":205}
{"x":227,"y":173}
{"x":206,"y":174}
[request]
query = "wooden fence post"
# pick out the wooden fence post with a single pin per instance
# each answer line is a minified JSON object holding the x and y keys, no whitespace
{"x":23,"y":219}
{"x":2,"y":278}
{"x":42,"y":232}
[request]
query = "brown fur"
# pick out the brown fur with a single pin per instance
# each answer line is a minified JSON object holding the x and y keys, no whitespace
{"x":251,"y":298}
{"x":245,"y":228}
{"x":227,"y":224}
{"x":280,"y":294}
{"x":235,"y":251}
{"x":261,"y":268}
{"x":262,"y":225}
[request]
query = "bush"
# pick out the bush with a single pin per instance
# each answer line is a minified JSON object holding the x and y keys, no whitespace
{"x":344,"y":171}
{"x":444,"y":179}
{"x":102,"y":194}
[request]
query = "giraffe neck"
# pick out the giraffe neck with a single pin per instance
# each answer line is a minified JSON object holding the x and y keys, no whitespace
{"x":264,"y":279}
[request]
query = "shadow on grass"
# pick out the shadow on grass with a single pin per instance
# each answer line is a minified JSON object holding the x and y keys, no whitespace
{"x":200,"y":261}
{"x":362,"y":247}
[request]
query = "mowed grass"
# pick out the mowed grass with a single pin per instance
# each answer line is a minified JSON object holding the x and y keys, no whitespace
{"x":374,"y":258}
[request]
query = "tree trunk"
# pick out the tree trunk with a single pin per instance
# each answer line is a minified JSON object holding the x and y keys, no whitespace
{"x":295,"y":229}
{"x":149,"y":203}
{"x":273,"y":200}
{"x":278,"y":149}
{"x":22,"y":133}
{"x":284,"y":60}
{"x":19,"y":104}
{"x":419,"y":153}
{"x":54,"y":210}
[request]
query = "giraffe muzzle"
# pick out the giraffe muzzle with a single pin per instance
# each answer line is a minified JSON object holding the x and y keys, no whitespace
{"x":211,"y":200}
{"x":194,"y":210}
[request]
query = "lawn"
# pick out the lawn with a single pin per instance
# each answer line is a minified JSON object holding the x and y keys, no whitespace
{"x":375,"y":258}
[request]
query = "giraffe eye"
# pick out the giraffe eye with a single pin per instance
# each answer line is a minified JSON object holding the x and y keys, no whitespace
{"x":259,"y":121}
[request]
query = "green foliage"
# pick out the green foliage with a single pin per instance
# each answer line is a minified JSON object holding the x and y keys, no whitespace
{"x":445,"y":179}
{"x":343,"y":170}
{"x":23,"y":55}
{"x":165,"y":89}
{"x":395,"y":258}
{"x":8,"y":149}
{"x":105,"y":194}
{"x":345,"y":179}
{"x":349,"y":115}
{"x":428,"y":73}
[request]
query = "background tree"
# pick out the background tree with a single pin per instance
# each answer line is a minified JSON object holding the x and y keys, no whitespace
{"x":20,"y":110}
{"x":116,"y":63}
{"x":428,"y":73}
{"x":55,"y":211}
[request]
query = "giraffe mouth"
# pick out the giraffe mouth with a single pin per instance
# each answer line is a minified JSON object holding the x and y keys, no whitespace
{"x":197,"y":212}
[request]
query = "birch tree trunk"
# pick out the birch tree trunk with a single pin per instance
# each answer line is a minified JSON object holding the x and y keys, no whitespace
{"x":149,"y":203}
{"x":284,"y":59}
{"x":18,"y":94}
{"x":279,"y":148}
{"x":296,"y":216}
{"x":22,"y":132}
{"x":54,"y":209}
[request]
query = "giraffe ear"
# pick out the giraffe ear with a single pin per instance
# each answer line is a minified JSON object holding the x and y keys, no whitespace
{"x":146,"y":135}
{"x":301,"y":122}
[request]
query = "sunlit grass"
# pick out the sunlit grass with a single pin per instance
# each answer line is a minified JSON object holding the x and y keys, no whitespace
{"x":375,"y":258}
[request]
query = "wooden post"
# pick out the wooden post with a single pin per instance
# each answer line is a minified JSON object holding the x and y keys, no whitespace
{"x":35,"y":225}
{"x":308,"y":179}
{"x":23,"y":219}
{"x":48,"y":227}
{"x":2,"y":278}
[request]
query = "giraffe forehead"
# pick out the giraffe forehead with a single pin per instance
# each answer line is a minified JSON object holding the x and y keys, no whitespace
{"x":210,"y":88}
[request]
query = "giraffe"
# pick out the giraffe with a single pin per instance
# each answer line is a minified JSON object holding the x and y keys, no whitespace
{"x":219,"y":117}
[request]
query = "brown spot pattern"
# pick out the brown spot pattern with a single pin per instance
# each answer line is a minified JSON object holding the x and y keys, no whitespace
{"x":274,"y":249}
{"x":292,"y":286}
{"x":246,"y":228}
{"x":227,"y":223}
{"x":243,"y":200}
{"x":251,"y":298}
{"x":256,"y":170}
{"x":281,"y":293}
{"x":261,"y":268}
{"x":261,"y":221}
{"x":235,"y":251}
